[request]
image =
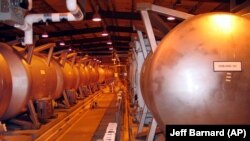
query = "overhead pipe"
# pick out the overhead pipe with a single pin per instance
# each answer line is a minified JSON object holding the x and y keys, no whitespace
{"x":74,"y":14}
{"x":30,"y":4}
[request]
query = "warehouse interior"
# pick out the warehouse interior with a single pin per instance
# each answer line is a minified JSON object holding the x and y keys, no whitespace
{"x":121,"y":69}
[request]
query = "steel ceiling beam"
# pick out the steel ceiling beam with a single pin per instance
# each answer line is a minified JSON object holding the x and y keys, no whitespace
{"x":115,"y":15}
{"x":115,"y":44}
{"x":91,"y":30}
{"x":80,"y":31}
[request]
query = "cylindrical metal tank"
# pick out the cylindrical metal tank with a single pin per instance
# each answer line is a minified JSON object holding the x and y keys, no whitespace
{"x":60,"y":79}
{"x":144,"y":77}
{"x":45,"y":78}
{"x":5,"y":84}
{"x":81,"y":73}
{"x":77,"y":77}
{"x":70,"y":77}
{"x":15,"y":83}
{"x":107,"y":74}
{"x":96,"y":74}
{"x":183,"y":85}
{"x":93,"y":74}
{"x":111,"y":74}
{"x":101,"y":73}
{"x":87,"y":74}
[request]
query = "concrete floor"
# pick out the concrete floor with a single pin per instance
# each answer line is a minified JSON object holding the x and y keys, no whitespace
{"x":86,"y":126}
{"x":91,"y":124}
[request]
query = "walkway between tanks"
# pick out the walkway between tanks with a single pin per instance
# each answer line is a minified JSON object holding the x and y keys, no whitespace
{"x":109,"y":116}
{"x":87,"y":125}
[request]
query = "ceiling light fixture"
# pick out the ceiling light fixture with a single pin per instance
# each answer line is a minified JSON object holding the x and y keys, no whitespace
{"x":70,"y":49}
{"x":170,"y":18}
{"x":96,"y":17}
{"x":105,"y":33}
{"x":45,"y":35}
{"x":62,"y":43}
{"x":109,"y":42}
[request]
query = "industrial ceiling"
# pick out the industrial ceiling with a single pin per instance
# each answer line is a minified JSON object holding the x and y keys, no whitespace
{"x":120,"y":18}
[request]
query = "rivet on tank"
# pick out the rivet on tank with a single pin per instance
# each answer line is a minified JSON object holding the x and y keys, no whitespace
{"x":200,"y":72}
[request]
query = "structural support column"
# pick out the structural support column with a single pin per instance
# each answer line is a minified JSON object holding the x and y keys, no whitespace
{"x":152,"y":130}
{"x":143,"y":117}
{"x":145,"y":109}
{"x":144,"y":7}
{"x":149,"y":29}
{"x":140,"y":58}
{"x":152,"y":41}
{"x":134,"y":63}
{"x":142,"y":43}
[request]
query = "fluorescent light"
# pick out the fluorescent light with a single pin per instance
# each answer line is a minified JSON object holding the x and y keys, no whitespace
{"x":170,"y":18}
{"x":45,"y":35}
{"x":62,"y":43}
{"x":96,"y":17}
{"x":105,"y":33}
{"x":109,"y":42}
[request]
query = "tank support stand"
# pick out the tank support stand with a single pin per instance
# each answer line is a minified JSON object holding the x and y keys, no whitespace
{"x":90,"y":90}
{"x":81,"y":96}
{"x":71,"y":96}
{"x":33,"y":115}
{"x":66,"y":100}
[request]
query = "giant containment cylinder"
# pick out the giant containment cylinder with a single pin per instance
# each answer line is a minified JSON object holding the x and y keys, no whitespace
{"x":21,"y":82}
{"x":200,"y":72}
{"x":15,"y":83}
{"x":46,"y":79}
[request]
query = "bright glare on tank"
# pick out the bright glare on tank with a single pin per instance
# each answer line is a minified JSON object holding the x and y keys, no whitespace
{"x":225,"y":22}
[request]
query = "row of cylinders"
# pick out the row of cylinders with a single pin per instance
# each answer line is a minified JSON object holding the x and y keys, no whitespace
{"x":20,"y":82}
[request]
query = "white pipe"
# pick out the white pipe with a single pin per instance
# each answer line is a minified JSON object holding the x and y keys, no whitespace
{"x":27,"y":27}
{"x":71,"y":5}
{"x":30,"y":4}
{"x":75,"y":14}
{"x":28,"y":36}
